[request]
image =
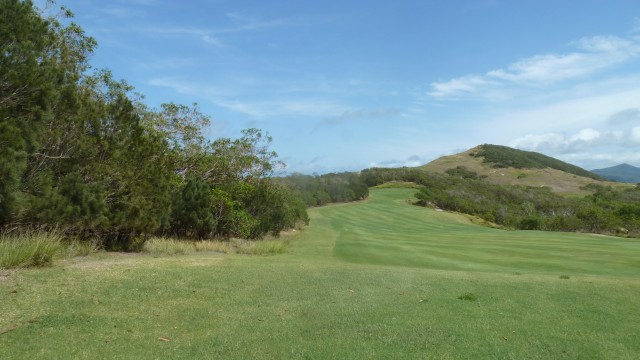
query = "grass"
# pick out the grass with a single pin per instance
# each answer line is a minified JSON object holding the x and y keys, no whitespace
{"x":388,"y":231}
{"x":341,"y":290}
{"x":30,"y":249}
{"x":159,"y":246}
{"x":468,"y":297}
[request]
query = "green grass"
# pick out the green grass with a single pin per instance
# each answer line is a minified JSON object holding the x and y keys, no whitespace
{"x":388,"y":231}
{"x":376,"y":279}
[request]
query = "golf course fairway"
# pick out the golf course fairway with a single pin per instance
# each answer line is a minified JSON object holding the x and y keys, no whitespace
{"x":380,"y":278}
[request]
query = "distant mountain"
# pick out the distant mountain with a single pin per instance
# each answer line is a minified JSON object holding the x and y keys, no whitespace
{"x":508,"y":166}
{"x":621,"y":173}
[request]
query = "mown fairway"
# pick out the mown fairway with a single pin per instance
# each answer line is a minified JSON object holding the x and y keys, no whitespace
{"x":376,"y":279}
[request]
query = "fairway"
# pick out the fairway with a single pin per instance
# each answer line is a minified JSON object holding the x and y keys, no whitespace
{"x":386,"y":230}
{"x":380,"y":278}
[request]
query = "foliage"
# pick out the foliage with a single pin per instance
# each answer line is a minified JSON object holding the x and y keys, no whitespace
{"x":328,"y":188}
{"x":79,"y":149}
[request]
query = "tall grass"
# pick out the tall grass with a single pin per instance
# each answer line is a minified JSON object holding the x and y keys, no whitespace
{"x":158,"y":246}
{"x":35,"y":248}
{"x":264,"y":247}
{"x":73,"y":248}
{"x":165,"y":246}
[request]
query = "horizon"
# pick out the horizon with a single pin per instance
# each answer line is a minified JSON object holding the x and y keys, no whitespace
{"x":343,"y":88}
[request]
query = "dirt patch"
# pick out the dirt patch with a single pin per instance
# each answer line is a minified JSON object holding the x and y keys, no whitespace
{"x":5,"y":275}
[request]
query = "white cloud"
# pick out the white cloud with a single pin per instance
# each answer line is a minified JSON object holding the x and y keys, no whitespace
{"x":537,"y":142}
{"x":588,"y":147}
{"x":595,"y":54}
{"x":456,"y":86}
{"x":586,"y":135}
{"x":411,"y":161}
{"x":571,"y":111}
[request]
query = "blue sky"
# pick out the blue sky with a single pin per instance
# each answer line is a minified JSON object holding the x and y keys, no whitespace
{"x":346,"y":85}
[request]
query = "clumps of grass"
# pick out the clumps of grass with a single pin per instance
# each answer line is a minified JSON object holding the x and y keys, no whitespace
{"x":264,"y":247}
{"x":35,"y":248}
{"x":215,"y":246}
{"x":158,"y":246}
{"x":73,"y":248}
{"x":564,"y":277}
{"x":468,"y":297}
{"x":165,"y":246}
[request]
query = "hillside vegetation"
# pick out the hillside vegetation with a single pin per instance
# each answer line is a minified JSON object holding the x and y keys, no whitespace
{"x":546,"y":171}
{"x":506,"y":157}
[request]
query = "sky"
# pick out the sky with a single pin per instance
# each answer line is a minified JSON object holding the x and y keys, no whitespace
{"x":346,"y":85}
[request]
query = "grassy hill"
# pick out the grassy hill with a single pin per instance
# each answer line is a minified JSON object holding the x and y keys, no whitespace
{"x":505,"y":166}
{"x":374,"y":279}
{"x":622,"y":173}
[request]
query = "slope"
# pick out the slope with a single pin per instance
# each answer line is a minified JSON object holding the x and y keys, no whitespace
{"x":621,"y":173}
{"x":506,"y":166}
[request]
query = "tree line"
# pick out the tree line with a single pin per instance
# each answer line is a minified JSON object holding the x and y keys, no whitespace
{"x":323,"y":189}
{"x":81,"y":152}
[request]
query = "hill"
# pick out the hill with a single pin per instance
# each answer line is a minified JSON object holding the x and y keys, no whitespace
{"x":621,"y":173}
{"x":506,"y":166}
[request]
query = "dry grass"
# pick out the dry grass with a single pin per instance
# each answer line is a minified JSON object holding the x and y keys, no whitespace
{"x":158,"y":246}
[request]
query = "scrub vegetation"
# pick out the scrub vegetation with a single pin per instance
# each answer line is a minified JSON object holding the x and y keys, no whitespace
{"x":79,"y":150}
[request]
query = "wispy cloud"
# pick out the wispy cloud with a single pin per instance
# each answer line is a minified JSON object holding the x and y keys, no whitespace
{"x":625,"y":116}
{"x":213,"y":36}
{"x":592,"y":55}
{"x":411,"y":161}
{"x":360,"y":114}
{"x":246,"y":96}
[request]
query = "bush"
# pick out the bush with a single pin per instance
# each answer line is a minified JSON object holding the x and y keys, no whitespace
{"x":29,"y":249}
